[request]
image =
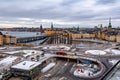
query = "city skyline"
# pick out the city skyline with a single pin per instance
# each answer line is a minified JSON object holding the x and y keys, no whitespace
{"x":63,"y":13}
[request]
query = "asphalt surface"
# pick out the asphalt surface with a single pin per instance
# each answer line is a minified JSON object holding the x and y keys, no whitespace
{"x":60,"y":70}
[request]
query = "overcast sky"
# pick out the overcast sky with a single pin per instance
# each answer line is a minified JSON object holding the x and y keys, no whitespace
{"x":63,"y":13}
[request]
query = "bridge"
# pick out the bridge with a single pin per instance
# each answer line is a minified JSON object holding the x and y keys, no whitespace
{"x":30,"y":39}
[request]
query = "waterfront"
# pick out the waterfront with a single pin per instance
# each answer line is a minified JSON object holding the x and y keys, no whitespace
{"x":22,"y":34}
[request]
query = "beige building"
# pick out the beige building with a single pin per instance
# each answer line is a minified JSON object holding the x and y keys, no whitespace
{"x":76,"y":36}
{"x":13,"y":40}
{"x":92,"y":35}
{"x":86,"y":35}
{"x":112,"y":38}
{"x":117,"y":38}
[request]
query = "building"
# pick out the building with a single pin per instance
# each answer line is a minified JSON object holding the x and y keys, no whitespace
{"x":118,"y":38}
{"x":76,"y":36}
{"x":1,"y":38}
{"x":6,"y":39}
{"x":50,"y":31}
{"x":13,"y":40}
{"x":28,"y":69}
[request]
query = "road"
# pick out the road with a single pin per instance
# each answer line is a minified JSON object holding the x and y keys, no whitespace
{"x":60,"y":70}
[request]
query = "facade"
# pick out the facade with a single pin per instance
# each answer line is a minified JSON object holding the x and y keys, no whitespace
{"x":6,"y":39}
{"x":13,"y":40}
{"x":1,"y":39}
{"x":117,"y":38}
{"x":86,"y":35}
{"x":50,"y":32}
{"x":76,"y":36}
{"x":109,"y":36}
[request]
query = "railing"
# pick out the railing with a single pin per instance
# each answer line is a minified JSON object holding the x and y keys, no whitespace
{"x":30,"y":39}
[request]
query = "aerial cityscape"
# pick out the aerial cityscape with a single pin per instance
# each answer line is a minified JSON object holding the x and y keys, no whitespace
{"x":59,"y":40}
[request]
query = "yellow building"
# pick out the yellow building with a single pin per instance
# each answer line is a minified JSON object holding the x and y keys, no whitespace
{"x":50,"y":32}
{"x":92,"y":35}
{"x":6,"y":39}
{"x":110,"y":38}
{"x":1,"y":39}
{"x":76,"y":36}
{"x":86,"y":35}
{"x":103,"y":36}
{"x":9,"y":39}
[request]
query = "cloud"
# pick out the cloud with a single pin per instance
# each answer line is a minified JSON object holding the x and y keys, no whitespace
{"x":60,"y":12}
{"x":106,"y":1}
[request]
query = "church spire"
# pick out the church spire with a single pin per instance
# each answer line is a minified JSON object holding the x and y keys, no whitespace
{"x":52,"y":26}
{"x":41,"y":28}
{"x":109,"y":26}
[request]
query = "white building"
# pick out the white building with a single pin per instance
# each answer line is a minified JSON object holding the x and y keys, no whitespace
{"x":26,"y":68}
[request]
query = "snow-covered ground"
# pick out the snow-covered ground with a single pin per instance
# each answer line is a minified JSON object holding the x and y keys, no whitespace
{"x":82,"y":73}
{"x":7,"y":62}
{"x":25,"y":52}
{"x":1,"y":48}
{"x":48,"y":67}
{"x":57,"y":47}
{"x":104,"y":52}
{"x":95,"y":52}
{"x":31,"y":52}
{"x":113,"y":51}
{"x":113,"y":62}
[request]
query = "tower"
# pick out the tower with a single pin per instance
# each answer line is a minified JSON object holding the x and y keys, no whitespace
{"x":101,"y":30}
{"x":78,"y":29}
{"x":109,"y":26}
{"x":41,"y":29}
{"x":52,"y":26}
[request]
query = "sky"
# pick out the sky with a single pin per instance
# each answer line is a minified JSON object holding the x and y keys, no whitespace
{"x":63,"y":13}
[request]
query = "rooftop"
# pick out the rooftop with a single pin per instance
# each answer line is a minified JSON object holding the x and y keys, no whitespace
{"x":8,"y":60}
{"x":26,"y":65}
